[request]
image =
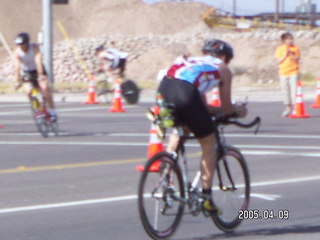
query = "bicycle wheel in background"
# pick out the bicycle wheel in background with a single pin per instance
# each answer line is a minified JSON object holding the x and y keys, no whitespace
{"x":231,"y":189}
{"x":130,"y":91}
{"x":103,"y":89}
{"x":158,"y":197}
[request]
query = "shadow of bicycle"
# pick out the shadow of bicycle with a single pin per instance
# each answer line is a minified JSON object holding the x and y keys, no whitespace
{"x":294,"y":229}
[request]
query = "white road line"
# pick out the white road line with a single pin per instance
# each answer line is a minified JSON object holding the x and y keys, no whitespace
{"x":146,"y":144}
{"x":89,"y":108}
{"x":67,"y":204}
{"x":133,"y":197}
{"x":101,"y":114}
{"x":290,"y":136}
{"x":267,"y":197}
{"x":294,"y":147}
{"x":15,"y":105}
{"x":231,"y":135}
{"x":294,"y":154}
{"x":14,"y":113}
{"x":75,"y":143}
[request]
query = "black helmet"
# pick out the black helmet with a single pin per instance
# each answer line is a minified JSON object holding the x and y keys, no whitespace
{"x":22,"y":38}
{"x":100,"y":48}
{"x":218,"y":47}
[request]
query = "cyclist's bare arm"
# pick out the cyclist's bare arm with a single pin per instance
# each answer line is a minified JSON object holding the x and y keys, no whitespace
{"x":227,"y":107}
{"x":225,"y":92}
{"x":39,"y":61}
{"x":17,"y":70}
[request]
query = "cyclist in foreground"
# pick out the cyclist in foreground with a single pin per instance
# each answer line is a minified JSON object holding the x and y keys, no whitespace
{"x":184,"y":86}
{"x":30,"y":72}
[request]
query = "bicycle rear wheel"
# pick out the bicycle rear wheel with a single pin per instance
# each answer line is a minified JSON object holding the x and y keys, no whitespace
{"x":231,"y":189}
{"x":160,"y":197}
{"x":130,"y":91}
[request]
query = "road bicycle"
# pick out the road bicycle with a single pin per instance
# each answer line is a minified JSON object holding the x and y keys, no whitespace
{"x":41,"y":116}
{"x":130,"y":91}
{"x":163,"y":195}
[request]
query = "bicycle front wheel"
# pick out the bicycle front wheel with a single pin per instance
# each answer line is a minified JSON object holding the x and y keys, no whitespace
{"x":39,"y":118}
{"x":231,"y":189}
{"x":42,"y":125}
{"x":55,"y":128}
{"x":103,"y":89}
{"x":160,"y":197}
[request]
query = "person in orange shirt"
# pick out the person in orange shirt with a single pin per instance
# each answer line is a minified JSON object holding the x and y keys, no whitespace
{"x":288,"y":56}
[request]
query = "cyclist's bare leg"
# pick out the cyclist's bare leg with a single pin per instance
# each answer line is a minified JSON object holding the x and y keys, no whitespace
{"x":174,"y":140}
{"x":114,"y":74}
{"x":118,"y":76}
{"x":27,"y":89}
{"x":46,"y":91}
{"x":208,"y":160}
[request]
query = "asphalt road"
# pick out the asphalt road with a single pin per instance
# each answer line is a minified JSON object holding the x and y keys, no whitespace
{"x":82,"y":184}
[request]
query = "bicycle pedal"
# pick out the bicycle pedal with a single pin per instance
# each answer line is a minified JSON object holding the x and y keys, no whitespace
{"x":53,"y":118}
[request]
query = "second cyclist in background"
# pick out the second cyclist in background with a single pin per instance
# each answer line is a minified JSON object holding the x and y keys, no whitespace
{"x":117,"y":61}
{"x":30,"y":72}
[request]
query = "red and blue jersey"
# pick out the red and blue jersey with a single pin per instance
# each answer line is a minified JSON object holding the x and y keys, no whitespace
{"x":202,"y":72}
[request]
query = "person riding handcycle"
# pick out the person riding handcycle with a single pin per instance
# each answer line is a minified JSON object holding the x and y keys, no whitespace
{"x":30,"y":72}
{"x":184,"y":87}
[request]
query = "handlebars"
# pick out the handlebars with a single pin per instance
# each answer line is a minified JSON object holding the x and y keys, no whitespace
{"x":227,"y":121}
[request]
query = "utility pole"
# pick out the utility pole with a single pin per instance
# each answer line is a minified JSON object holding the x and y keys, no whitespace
{"x":283,"y":6}
{"x":234,"y":8}
{"x":47,"y":37}
{"x":276,"y":13}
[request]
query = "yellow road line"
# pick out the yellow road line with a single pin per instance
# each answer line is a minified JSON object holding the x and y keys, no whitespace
{"x":24,"y":169}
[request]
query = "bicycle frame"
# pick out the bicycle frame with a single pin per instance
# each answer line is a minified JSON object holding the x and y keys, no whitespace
{"x":190,"y":186}
{"x":41,"y":115}
{"x":187,"y":185}
{"x":42,"y":107}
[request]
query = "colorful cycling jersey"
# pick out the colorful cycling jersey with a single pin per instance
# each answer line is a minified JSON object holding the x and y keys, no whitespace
{"x":114,"y":56}
{"x":112,"y":53}
{"x":202,"y":72}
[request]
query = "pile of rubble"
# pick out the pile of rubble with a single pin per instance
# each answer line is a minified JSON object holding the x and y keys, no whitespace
{"x":148,"y":54}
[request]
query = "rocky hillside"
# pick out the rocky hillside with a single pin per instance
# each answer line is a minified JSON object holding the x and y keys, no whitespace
{"x":154,"y":35}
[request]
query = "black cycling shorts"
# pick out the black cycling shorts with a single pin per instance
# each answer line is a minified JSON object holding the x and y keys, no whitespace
{"x":32,"y":77}
{"x":190,"y":110}
{"x":119,"y":64}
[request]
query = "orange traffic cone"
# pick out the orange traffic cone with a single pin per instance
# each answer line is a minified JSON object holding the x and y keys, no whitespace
{"x":117,"y":99}
{"x":299,"y":110}
{"x":317,"y":101}
{"x":215,"y":99}
{"x":155,"y":146}
{"x":91,"y":93}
